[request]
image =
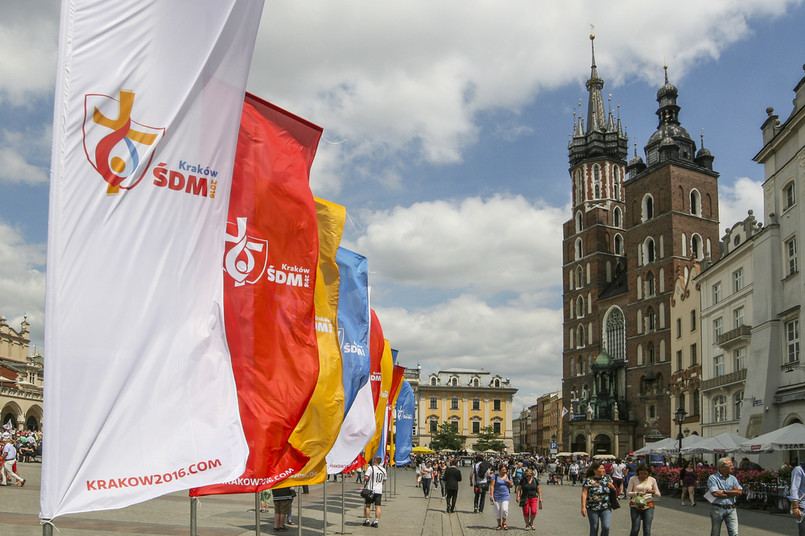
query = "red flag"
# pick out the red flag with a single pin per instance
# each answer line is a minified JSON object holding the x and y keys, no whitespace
{"x":270,"y":273}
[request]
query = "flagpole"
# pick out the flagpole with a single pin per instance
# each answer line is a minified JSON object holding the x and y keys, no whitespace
{"x":193,"y":512}
{"x":299,"y":511}
{"x":257,"y":506}
{"x":324,"y":496}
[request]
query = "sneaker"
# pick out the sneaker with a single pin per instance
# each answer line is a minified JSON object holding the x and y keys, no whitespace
{"x":474,"y":510}
{"x":366,"y":523}
{"x":375,"y":524}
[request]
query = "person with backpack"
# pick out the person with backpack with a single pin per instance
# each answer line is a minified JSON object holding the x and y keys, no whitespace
{"x":375,"y":478}
{"x":479,"y":480}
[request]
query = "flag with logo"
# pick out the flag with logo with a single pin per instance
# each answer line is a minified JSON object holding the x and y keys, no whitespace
{"x":272,"y":250}
{"x":377,"y":445}
{"x":145,"y":128}
{"x":353,"y":331}
{"x":404,"y":434}
{"x":396,"y":383}
{"x":318,"y":428}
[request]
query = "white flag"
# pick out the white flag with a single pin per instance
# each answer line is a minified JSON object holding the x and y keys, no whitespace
{"x":139,"y":398}
{"x":565,"y":411}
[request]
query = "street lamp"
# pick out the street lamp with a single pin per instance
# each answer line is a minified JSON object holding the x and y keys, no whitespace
{"x":679,"y":418}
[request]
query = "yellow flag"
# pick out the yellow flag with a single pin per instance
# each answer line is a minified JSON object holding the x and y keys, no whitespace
{"x":386,"y":373}
{"x":318,"y":429}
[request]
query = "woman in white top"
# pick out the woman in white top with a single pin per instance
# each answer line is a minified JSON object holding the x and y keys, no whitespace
{"x":427,"y":477}
{"x":642,"y":490}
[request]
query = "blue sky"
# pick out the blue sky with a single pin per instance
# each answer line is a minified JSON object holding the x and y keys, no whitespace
{"x":446,"y":128}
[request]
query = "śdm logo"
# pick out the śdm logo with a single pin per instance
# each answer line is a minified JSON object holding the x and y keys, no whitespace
{"x":245,"y":261}
{"x":114,"y":143}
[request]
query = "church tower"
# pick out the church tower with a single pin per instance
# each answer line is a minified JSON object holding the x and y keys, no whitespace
{"x":672,"y":206}
{"x":594,"y":274}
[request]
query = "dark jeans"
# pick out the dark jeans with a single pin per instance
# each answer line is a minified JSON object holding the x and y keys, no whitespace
{"x":426,"y":486}
{"x":451,"y":495}
{"x":480,"y":496}
{"x":646,"y":516}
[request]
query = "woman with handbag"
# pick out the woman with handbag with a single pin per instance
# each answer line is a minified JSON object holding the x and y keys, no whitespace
{"x":642,"y":489}
{"x":499,"y":487}
{"x":529,"y":497}
{"x":596,"y":499}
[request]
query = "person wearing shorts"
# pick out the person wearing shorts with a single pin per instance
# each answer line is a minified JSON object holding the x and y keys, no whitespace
{"x":375,"y":478}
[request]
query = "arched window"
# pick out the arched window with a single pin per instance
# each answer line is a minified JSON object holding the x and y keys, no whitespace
{"x":454,"y":381}
{"x":651,"y":320}
{"x":579,"y":307}
{"x":650,"y":255}
{"x":579,"y":277}
{"x":615,"y":334}
{"x":433,"y":380}
{"x":618,"y":244}
{"x":617,"y":216}
{"x":648,"y":207}
{"x":695,"y":203}
{"x":580,"y":337}
{"x":650,"y":290}
{"x":650,"y":353}
{"x":597,"y":181}
{"x":579,"y":222}
{"x":579,"y":249}
{"x":579,"y":187}
{"x":497,"y":382}
{"x":696,"y":247}
{"x":616,"y":184}
{"x":572,"y":366}
{"x":476,"y":382}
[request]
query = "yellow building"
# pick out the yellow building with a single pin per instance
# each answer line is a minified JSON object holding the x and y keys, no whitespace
{"x":21,"y":378}
{"x":469,"y":399}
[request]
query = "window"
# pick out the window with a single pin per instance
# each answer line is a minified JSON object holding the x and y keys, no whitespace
{"x":648,"y":207}
{"x":678,"y":328}
{"x":650,"y":353}
{"x":579,"y":187}
{"x":618,"y":244}
{"x":454,"y":425}
{"x":434,"y":404}
{"x":579,"y":222}
{"x":718,"y":365}
{"x":454,"y":403}
{"x":476,"y":427}
{"x":580,"y":337}
{"x":738,"y":317}
{"x":693,"y":320}
{"x":739,"y":358}
{"x":696,"y":246}
{"x":496,"y":404}
{"x":579,"y":277}
{"x":579,"y":249}
{"x":434,"y":426}
{"x":496,"y":427}
{"x":696,"y":402}
{"x":693,"y":357}
{"x":433,"y":381}
{"x":651,"y":320}
{"x":738,"y":402}
{"x":496,"y":383}
{"x":695,"y":203}
{"x":737,"y":279}
{"x":616,"y":334}
{"x":616,"y":184}
{"x":679,"y":360}
{"x":579,"y":307}
{"x":454,"y":381}
{"x":476,"y":404}
{"x":617,"y":216}
{"x":720,"y":408}
{"x":597,"y":181}
{"x":650,"y":289}
{"x":791,"y":255}
{"x":716,"y":293}
{"x":718,"y":329}
{"x":649,"y":250}
{"x":789,"y":195}
{"x":475,"y":382}
{"x":792,"y":340}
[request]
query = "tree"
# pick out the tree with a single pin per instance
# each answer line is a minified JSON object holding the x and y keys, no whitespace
{"x":446,"y":438}
{"x":488,"y":439}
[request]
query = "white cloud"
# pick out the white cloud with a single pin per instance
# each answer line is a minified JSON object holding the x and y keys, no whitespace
{"x":22,"y":281}
{"x":17,"y":152}
{"x":735,"y":201}
{"x":495,"y":245}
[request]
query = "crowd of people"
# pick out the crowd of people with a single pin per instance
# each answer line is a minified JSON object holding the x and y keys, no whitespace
{"x":22,"y":446}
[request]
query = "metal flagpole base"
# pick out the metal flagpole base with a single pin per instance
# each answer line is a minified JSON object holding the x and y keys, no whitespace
{"x":193,"y":512}
{"x":343,"y":508}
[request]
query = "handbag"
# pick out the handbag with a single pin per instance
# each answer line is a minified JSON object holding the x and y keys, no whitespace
{"x":523,"y":502}
{"x":613,"y":499}
{"x":367,"y":493}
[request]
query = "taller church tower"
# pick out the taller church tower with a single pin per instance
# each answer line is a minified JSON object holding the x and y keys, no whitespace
{"x":594,"y":273}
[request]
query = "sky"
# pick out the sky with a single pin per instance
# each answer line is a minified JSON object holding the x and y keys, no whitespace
{"x":445,"y":137}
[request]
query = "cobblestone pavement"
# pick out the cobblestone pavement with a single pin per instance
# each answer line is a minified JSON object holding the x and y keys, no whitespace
{"x":406,"y":512}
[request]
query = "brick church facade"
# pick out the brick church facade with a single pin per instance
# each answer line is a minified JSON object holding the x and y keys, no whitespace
{"x":637,"y":227}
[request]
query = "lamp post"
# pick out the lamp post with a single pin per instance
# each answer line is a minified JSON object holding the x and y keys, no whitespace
{"x":679,"y":419}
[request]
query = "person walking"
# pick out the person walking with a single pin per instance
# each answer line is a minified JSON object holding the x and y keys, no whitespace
{"x":499,"y":493}
{"x":573,"y":471}
{"x":375,"y":478}
{"x":725,"y":489}
{"x":450,"y":480}
{"x":688,"y":478}
{"x":797,"y":495}
{"x":9,"y":458}
{"x":595,"y":505}
{"x":618,"y":475}
{"x":479,"y":480}
{"x":282,"y":507}
{"x":427,"y":477}
{"x":642,"y":489}
{"x":529,"y":497}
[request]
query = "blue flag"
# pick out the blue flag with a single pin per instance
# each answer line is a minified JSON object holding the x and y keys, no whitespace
{"x":405,"y":425}
{"x":353,"y":322}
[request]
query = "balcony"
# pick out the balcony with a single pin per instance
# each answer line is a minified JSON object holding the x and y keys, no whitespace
{"x":734,"y":337}
{"x":725,"y":379}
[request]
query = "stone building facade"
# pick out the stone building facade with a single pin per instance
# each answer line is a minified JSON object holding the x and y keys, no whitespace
{"x":21,"y":378}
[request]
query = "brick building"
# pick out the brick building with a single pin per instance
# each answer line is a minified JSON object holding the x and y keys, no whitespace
{"x":627,"y":242}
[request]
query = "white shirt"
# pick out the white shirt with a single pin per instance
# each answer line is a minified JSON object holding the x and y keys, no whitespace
{"x":617,"y":470}
{"x":9,"y":452}
{"x":376,"y":475}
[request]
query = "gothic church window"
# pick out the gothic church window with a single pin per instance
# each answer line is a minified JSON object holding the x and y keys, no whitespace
{"x":597,"y":181}
{"x":579,"y":187}
{"x":696,"y":247}
{"x":695,"y":203}
{"x":579,"y":249}
{"x":648,"y":207}
{"x":616,"y":334}
{"x":579,"y":222}
{"x":618,"y":244}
